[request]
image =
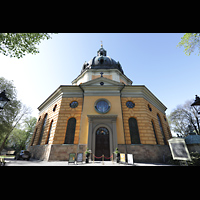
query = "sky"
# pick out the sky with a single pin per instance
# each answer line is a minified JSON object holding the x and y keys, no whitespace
{"x":150,"y":59}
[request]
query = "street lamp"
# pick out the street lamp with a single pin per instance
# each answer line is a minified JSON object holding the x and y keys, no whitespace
{"x":3,"y":99}
{"x":196,"y":103}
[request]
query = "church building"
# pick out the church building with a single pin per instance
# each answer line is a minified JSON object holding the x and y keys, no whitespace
{"x":102,"y":110}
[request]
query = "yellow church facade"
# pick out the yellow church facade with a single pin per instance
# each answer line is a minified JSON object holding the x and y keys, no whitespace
{"x":101,"y":111}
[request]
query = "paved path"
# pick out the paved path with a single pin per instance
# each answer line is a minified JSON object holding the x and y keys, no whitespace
{"x":33,"y":162}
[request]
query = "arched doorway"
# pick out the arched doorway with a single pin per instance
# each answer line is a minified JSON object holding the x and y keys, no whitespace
{"x":102,"y":143}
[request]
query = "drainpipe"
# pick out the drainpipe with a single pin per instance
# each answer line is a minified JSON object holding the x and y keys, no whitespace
{"x":122,"y":116}
{"x":81,"y":120}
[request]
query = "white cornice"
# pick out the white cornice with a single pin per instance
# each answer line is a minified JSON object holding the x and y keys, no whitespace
{"x":62,"y":91}
{"x":112,"y":89}
{"x":101,"y":70}
{"x":144,"y":92}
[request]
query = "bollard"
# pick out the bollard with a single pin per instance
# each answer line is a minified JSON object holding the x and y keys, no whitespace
{"x":93,"y":158}
{"x":112,"y":160}
{"x":102,"y":159}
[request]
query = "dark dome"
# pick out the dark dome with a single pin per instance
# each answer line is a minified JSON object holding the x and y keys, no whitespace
{"x":101,"y":61}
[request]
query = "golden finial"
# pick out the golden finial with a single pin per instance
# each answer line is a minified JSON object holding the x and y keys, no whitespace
{"x":101,"y":44}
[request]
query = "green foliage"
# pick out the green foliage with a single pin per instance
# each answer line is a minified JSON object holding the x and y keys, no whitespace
{"x":12,"y":113}
{"x":21,"y":135}
{"x":11,"y":110}
{"x":116,"y":151}
{"x":190,"y":41}
{"x":17,"y":44}
{"x":195,"y":157}
{"x":87,"y":151}
{"x":195,"y":160}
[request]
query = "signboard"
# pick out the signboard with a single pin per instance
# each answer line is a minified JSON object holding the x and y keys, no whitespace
{"x":122,"y":158}
{"x":179,"y":149}
{"x":79,"y":157}
{"x":72,"y":158}
{"x":130,"y":159}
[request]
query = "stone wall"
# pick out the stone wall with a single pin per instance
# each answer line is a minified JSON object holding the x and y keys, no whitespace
{"x":56,"y":152}
{"x":40,"y":152}
{"x":147,"y":153}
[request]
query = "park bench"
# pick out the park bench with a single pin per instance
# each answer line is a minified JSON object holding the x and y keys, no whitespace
{"x":10,"y":153}
{"x":2,"y":162}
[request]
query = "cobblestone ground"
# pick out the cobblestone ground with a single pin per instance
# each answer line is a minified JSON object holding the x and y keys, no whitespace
{"x":33,"y":162}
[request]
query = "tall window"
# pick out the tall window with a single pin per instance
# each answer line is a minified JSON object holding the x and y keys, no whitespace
{"x":161,"y":129}
{"x":70,"y":132}
{"x":34,"y":137}
{"x":49,"y":132}
{"x":134,"y":133}
{"x":42,"y":131}
{"x":154,"y":132}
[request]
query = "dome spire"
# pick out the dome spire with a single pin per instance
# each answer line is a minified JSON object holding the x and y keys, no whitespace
{"x":101,"y":44}
{"x":102,"y":51}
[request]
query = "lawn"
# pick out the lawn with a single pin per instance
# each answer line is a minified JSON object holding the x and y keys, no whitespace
{"x":7,"y":156}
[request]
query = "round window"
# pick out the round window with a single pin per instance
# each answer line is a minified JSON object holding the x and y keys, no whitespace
{"x":102,"y":106}
{"x":130,"y":104}
{"x":73,"y":104}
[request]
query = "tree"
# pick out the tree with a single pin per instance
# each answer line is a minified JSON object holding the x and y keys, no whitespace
{"x":12,"y":113}
{"x":21,"y":135}
{"x":182,"y":116}
{"x":17,"y":44}
{"x":190,"y":41}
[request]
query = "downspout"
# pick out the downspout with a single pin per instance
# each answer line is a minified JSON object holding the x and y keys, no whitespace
{"x":122,"y":116}
{"x":81,"y":120}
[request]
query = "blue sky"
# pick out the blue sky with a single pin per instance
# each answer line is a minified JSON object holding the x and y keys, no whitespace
{"x":147,"y":59}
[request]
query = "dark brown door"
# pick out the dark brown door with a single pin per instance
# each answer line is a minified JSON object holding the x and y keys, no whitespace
{"x":102,"y":143}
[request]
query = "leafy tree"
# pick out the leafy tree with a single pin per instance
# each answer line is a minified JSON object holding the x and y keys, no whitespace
{"x":190,"y":41}
{"x":182,"y":116}
{"x":21,"y":135}
{"x":17,"y":44}
{"x":12,"y":113}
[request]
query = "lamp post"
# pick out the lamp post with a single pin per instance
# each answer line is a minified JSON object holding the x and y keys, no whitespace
{"x":196,"y":104}
{"x":3,"y":99}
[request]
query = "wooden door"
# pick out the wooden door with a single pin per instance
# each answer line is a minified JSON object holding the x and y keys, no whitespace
{"x":102,"y":146}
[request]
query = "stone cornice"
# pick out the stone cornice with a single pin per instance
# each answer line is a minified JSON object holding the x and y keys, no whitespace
{"x":61,"y":91}
{"x":143,"y":92}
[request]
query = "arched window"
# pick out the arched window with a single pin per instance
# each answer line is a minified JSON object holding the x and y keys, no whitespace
{"x":161,"y":129}
{"x":42,"y":131}
{"x":54,"y":108}
{"x":134,"y":133}
{"x":70,"y":132}
{"x":49,"y":132}
{"x":154,"y":131}
{"x":34,"y":137}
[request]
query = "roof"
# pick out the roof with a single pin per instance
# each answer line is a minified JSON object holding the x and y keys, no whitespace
{"x":102,"y":61}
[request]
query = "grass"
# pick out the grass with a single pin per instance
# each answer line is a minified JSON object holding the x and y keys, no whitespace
{"x":7,"y":156}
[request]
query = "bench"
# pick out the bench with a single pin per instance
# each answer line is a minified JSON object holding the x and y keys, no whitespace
{"x":10,"y":153}
{"x":2,"y":162}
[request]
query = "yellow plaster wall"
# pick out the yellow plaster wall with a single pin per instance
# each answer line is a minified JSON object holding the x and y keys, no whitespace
{"x":66,"y":112}
{"x":61,"y":116}
{"x":97,"y":76}
{"x":52,"y":115}
{"x":89,"y":109}
{"x":144,"y":116}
